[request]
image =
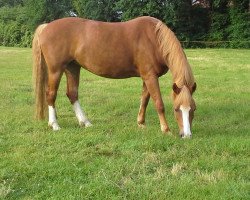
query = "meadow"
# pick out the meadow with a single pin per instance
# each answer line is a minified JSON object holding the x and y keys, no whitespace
{"x":115,"y":159}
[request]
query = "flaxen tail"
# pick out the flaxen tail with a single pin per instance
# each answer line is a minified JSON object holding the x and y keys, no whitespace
{"x":39,"y":75}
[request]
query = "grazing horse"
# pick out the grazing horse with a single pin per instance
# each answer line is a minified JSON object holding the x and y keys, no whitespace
{"x":143,"y":47}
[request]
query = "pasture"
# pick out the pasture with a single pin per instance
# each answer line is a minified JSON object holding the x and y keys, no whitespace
{"x":115,"y":159}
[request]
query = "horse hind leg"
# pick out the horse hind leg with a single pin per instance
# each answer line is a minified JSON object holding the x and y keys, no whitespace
{"x":51,"y":93}
{"x":73,"y":74}
{"x":145,"y":96}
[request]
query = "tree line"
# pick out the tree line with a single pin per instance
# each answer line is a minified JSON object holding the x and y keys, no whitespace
{"x":221,"y":23}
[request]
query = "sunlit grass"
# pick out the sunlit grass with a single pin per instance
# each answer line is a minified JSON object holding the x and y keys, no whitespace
{"x":115,"y":159}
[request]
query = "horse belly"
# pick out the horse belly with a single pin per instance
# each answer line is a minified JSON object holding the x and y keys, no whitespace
{"x":109,"y":62}
{"x":112,"y":70}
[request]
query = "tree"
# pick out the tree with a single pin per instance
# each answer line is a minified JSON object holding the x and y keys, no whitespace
{"x":178,"y":17}
{"x":44,"y":11}
{"x":239,"y":28}
{"x":219,"y":20}
{"x":136,"y":8}
{"x":199,"y":22}
{"x":13,"y":29}
{"x":19,"y":18}
{"x":104,"y":10}
{"x":10,"y":3}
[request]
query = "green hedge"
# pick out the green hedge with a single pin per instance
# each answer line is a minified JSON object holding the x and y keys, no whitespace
{"x":14,"y":34}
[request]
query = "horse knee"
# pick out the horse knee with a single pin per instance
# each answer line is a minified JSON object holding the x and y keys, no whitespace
{"x":73,"y":96}
{"x":160,"y":107}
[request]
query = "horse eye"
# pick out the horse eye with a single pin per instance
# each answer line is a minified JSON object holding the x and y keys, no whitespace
{"x":177,"y":109}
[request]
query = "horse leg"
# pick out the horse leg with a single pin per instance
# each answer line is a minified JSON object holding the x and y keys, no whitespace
{"x":144,"y":102}
{"x":73,"y":74}
{"x":152,"y":84}
{"x":53,"y":84}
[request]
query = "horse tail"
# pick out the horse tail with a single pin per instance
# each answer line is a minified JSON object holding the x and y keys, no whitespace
{"x":39,"y":75}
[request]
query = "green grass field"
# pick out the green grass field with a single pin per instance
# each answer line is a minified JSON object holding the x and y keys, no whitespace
{"x":115,"y":159}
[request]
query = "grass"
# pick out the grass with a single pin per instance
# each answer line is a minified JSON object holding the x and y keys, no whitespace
{"x":115,"y":159}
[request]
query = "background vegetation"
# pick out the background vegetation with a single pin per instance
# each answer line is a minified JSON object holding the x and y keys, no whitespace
{"x":115,"y":159}
{"x":214,"y":21}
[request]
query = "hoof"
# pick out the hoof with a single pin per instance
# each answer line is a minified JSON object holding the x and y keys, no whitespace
{"x":81,"y":124}
{"x":85,"y":124}
{"x":88,"y":124}
{"x":165,"y":129}
{"x":141,"y":125}
{"x":168,"y":133}
{"x":54,"y":126}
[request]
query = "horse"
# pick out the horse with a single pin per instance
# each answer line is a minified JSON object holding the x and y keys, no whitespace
{"x":142,"y":47}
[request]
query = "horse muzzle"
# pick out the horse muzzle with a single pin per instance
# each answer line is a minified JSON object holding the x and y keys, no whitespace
{"x":184,"y":135}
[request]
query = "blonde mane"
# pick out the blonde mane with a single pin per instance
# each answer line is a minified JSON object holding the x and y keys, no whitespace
{"x":174,"y":56}
{"x":184,"y":98}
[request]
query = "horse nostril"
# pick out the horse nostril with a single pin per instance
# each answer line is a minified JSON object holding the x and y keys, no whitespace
{"x":183,"y":135}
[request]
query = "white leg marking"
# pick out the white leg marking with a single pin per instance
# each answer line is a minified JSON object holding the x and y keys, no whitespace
{"x":185,"y":119}
{"x":52,"y":119}
{"x":81,"y":115}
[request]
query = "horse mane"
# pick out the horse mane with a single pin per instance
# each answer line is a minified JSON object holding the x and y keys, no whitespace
{"x":174,"y":56}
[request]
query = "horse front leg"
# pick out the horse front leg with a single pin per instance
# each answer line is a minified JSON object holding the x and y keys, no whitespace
{"x":145,"y":96}
{"x":152,"y":85}
{"x":73,"y":74}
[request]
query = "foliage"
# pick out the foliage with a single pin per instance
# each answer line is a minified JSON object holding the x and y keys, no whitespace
{"x":14,"y":30}
{"x":200,"y":25}
{"x":200,"y":20}
{"x":104,"y":10}
{"x":11,"y":3}
{"x":239,"y":29}
{"x":230,"y":21}
{"x":132,"y":9}
{"x":44,"y":11}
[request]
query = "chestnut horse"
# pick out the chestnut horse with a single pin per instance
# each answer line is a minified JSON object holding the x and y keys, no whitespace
{"x":143,"y":47}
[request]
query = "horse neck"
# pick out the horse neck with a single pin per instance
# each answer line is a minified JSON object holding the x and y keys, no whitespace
{"x":180,"y":68}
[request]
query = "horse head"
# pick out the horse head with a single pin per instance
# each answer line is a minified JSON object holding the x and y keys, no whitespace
{"x":184,"y":107}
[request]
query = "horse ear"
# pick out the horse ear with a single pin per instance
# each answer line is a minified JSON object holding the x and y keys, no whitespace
{"x":176,"y":89}
{"x":194,"y":87}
